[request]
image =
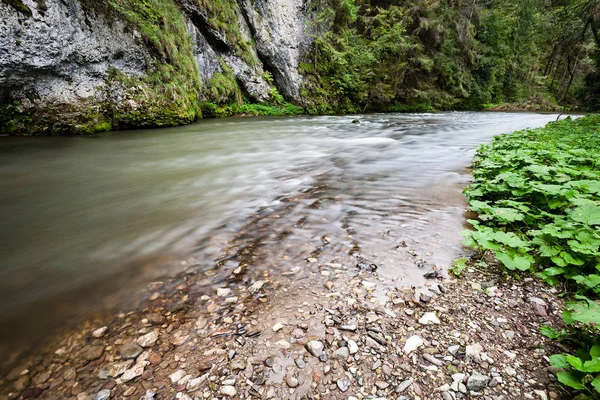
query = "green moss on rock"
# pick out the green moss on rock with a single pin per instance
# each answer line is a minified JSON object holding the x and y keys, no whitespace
{"x":19,"y":6}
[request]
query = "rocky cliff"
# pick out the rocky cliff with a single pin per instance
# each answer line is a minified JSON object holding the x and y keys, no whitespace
{"x":82,"y":66}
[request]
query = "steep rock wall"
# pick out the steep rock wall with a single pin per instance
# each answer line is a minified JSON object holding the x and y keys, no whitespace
{"x":81,"y":66}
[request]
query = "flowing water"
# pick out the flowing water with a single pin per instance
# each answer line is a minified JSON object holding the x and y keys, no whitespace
{"x":84,"y":218}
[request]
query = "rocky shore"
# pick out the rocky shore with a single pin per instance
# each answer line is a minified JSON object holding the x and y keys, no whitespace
{"x":320,"y":335}
{"x":288,"y":312}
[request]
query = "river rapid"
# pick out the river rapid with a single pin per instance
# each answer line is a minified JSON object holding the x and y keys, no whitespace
{"x":84,"y":221}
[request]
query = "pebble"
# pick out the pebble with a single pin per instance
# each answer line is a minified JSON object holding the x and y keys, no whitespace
{"x":412,"y":344}
{"x":352,"y":347}
{"x":277,"y":327}
{"x":429,"y":318}
{"x":477,"y":382}
{"x":473,"y":351}
{"x":91,"y":353}
{"x":291,"y":380}
{"x":177,"y":375}
{"x":104,"y":394}
{"x":342,"y":353}
{"x":228,"y":390}
{"x":148,"y":340}
{"x":98,"y":333}
{"x":453,"y":349}
{"x":403,"y":386}
{"x":223,"y":292}
{"x":315,"y":348}
{"x":343,"y":384}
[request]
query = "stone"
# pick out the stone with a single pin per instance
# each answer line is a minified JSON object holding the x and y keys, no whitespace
{"x":352,"y":347}
{"x":453,"y":349}
{"x":403,"y":386}
{"x":104,"y":394}
{"x":382,"y":385}
{"x":315,"y":348}
{"x":131,"y":350}
{"x":343,"y":384}
{"x":98,"y":333}
{"x":477,"y":382}
{"x":91,"y":353}
{"x":291,"y":380}
{"x":473,"y":351}
{"x":277,"y":327}
{"x":350,"y":328}
{"x":177,"y":375}
{"x":118,"y":369}
{"x":429,"y":318}
{"x":228,"y":390}
{"x":342,"y":353}
{"x":412,"y":344}
{"x":223,"y":292}
{"x":148,"y":340}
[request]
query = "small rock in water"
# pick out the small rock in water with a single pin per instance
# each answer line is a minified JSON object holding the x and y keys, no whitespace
{"x":429,"y":318}
{"x":413,"y":343}
{"x":148,"y":340}
{"x":366,"y":267}
{"x":315,"y":348}
{"x":343,"y":384}
{"x":223,"y":292}
{"x":98,"y":333}
{"x":91,"y":353}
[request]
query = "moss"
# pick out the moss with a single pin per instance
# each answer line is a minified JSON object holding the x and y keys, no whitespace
{"x":19,"y":6}
{"x":212,"y":110}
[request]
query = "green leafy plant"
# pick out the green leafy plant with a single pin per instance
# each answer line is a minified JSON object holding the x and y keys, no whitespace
{"x":537,"y":196}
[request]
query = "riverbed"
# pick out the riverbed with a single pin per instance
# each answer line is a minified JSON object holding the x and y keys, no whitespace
{"x":86,"y":221}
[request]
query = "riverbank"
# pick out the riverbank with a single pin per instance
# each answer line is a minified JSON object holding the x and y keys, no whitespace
{"x":321,"y":330}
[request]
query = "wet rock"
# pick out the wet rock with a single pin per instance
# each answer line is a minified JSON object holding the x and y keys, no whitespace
{"x":429,"y":318}
{"x":477,"y":382}
{"x":257,"y":286}
{"x":98,"y":333}
{"x":148,"y":340}
{"x":343,"y":384}
{"x":412,"y":344}
{"x":366,"y":267}
{"x":223,"y":292}
{"x":228,"y":390}
{"x":21,"y":383}
{"x":104,"y":394}
{"x":315,"y":348}
{"x":91,"y":353}
{"x":156,"y":319}
{"x":131,"y":350}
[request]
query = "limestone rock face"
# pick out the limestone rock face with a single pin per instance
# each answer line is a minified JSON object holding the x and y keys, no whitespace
{"x":56,"y":57}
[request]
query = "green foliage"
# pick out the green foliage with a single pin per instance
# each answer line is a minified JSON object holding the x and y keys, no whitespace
{"x":19,"y":6}
{"x":537,"y":194}
{"x":212,"y":110}
{"x":458,"y":266}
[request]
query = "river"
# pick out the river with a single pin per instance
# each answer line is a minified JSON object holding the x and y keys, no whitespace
{"x":85,"y":220}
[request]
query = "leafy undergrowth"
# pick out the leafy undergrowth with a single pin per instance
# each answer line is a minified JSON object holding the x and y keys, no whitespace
{"x":537,"y":194}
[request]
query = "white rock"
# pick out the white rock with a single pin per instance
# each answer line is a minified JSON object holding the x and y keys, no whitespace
{"x":177,"y":375}
{"x":104,"y":394}
{"x":223,"y":292}
{"x":352,"y":347}
{"x":413,"y":343}
{"x":228,"y":391}
{"x":429,"y":318}
{"x":473,"y":351}
{"x":369,"y":285}
{"x":148,"y":339}
{"x":98,"y":333}
{"x":278,"y":326}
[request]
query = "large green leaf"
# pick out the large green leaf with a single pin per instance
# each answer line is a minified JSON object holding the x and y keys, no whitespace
{"x":513,"y":260}
{"x":586,"y":312}
{"x":588,"y":214}
{"x":570,"y":379}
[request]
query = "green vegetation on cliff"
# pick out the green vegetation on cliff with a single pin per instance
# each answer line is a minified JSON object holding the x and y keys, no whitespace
{"x":537,"y":194}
